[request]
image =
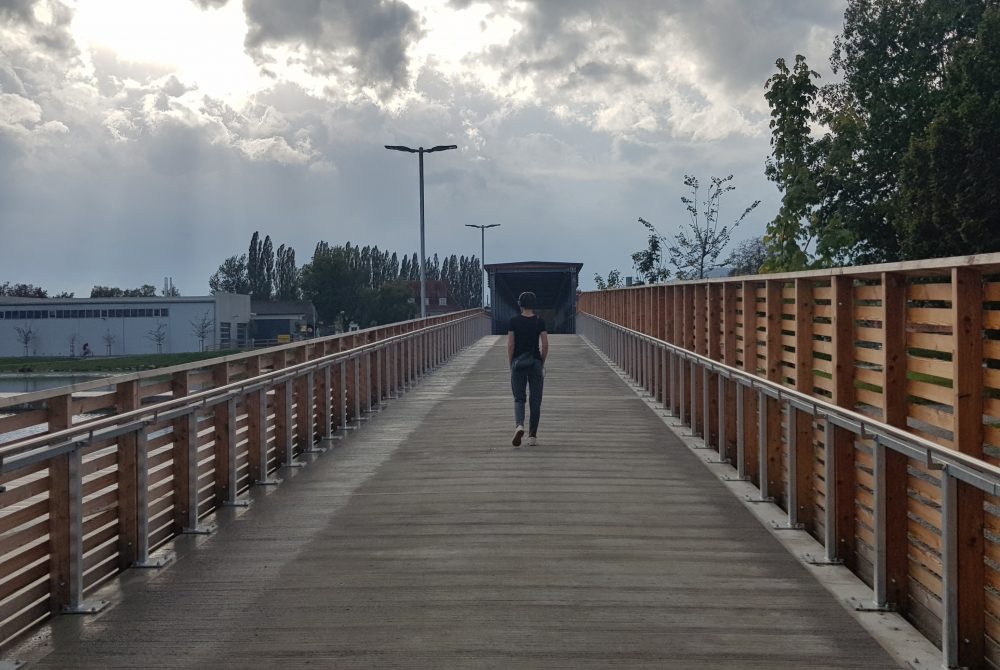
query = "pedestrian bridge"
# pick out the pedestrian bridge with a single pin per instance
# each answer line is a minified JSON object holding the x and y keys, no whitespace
{"x":355,"y":502}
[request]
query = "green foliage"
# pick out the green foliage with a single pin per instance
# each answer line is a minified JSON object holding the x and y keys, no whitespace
{"x":23,"y":291}
{"x":648,"y":262}
{"x":748,"y":258}
{"x":614,"y":280}
{"x":286,"y":275}
{"x":365,"y":284}
{"x":791,"y":94}
{"x":144,"y":291}
{"x":231,"y":277}
{"x":950,"y":174}
{"x":907,"y":162}
{"x":260,"y":267}
{"x":699,"y":243}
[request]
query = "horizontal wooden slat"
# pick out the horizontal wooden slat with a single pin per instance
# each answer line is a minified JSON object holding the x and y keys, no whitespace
{"x":928,"y":316}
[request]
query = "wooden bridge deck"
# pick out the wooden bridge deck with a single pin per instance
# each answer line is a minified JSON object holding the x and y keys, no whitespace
{"x":425,"y":540}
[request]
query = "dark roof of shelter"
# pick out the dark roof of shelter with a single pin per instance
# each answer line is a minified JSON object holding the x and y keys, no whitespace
{"x":273,"y":307}
{"x":531,"y":266}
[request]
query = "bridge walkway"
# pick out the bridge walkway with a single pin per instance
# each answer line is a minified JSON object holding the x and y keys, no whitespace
{"x":425,"y":540}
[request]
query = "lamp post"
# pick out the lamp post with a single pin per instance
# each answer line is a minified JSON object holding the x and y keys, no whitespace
{"x":421,"y":151}
{"x":482,"y":255}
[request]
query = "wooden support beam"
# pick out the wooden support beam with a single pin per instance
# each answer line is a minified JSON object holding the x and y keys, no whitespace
{"x":180,"y":384}
{"x":894,"y":399}
{"x":805,"y":446}
{"x":774,"y":371}
{"x":748,"y":295}
{"x":844,"y":489}
{"x":967,"y":389}
{"x":60,"y":416}
{"x":713,"y":322}
{"x":126,"y":400}
{"x":730,"y":319}
{"x":225,"y":484}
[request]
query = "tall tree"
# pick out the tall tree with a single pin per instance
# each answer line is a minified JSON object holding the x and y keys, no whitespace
{"x":698,"y":244}
{"x":951,"y":172}
{"x":648,"y":262}
{"x":22,"y":291}
{"x":893,"y":59}
{"x":260,"y":267}
{"x":286,"y":275}
{"x":231,"y":277}
{"x":791,"y":95}
{"x":748,"y":258}
{"x":144,"y":291}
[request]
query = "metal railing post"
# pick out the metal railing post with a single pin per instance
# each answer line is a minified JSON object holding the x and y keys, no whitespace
{"x":763,"y":485}
{"x":950,"y":638}
{"x":264,"y":480}
{"x":76,"y":604}
{"x":143,"y":559}
{"x":230,"y":497}
{"x":192,"y":526}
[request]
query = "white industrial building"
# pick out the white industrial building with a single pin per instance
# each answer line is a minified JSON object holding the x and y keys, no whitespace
{"x":121,"y":326}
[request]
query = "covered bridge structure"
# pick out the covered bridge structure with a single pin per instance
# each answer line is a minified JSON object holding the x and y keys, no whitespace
{"x":554,"y":284}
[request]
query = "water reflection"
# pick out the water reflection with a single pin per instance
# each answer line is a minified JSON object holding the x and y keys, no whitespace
{"x":12,"y":383}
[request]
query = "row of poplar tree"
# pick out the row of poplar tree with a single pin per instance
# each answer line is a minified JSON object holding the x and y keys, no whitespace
{"x":347,"y":283}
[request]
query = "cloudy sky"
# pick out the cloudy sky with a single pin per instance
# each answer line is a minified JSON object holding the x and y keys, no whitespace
{"x":148,"y":138}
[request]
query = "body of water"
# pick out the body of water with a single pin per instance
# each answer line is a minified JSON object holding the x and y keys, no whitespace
{"x":14,"y":383}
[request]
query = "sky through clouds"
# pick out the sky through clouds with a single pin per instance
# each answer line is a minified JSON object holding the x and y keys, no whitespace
{"x":148,"y":138}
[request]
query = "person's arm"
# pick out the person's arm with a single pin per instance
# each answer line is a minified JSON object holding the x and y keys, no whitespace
{"x":543,"y":345}
{"x":510,"y":347}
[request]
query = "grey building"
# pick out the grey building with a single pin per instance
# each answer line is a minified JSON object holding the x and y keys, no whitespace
{"x":120,"y":326}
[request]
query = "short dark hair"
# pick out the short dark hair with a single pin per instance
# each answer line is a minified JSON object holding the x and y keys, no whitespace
{"x":526,"y":300}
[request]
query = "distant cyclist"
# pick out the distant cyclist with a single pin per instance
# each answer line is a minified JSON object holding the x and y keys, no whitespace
{"x":527,"y":349}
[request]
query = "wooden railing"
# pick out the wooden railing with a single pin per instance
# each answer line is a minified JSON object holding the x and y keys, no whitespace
{"x":93,"y":480}
{"x":864,"y":401}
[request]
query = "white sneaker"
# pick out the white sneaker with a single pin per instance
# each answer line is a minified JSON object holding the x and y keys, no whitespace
{"x":532,"y":441}
{"x":518,"y":434}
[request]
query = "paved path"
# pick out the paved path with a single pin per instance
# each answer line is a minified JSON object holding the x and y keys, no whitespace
{"x":426,"y":541}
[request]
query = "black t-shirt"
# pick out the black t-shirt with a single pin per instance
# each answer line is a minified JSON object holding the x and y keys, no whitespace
{"x":526,"y":330}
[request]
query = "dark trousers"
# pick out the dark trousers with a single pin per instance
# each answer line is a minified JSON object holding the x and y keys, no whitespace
{"x":534,"y":378}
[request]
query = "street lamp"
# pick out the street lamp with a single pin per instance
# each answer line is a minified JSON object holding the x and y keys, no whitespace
{"x":482,"y":254}
{"x":421,"y":151}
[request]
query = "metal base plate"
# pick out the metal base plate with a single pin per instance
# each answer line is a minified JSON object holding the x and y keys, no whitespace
{"x":92,"y":607}
{"x":718,"y":461}
{"x":234,"y":503}
{"x":314,"y":450}
{"x":267,"y":482}
{"x":787,"y":526}
{"x":157,"y":562}
{"x":729,"y":478}
{"x":200,"y":530}
{"x":874,"y":608}
{"x":821,"y":560}
{"x":758,"y":500}
{"x":294,"y":464}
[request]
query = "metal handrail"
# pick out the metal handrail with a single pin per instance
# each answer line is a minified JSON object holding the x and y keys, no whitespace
{"x":969,"y":469}
{"x":68,"y":438}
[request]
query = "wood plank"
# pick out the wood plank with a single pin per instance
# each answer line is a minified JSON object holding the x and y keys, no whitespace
{"x":401,"y":533}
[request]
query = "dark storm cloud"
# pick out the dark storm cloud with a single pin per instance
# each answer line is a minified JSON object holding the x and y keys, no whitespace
{"x":19,"y":10}
{"x":370,"y":37}
{"x":734,"y":42}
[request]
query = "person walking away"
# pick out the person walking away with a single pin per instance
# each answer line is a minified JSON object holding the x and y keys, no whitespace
{"x":527,"y":349}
